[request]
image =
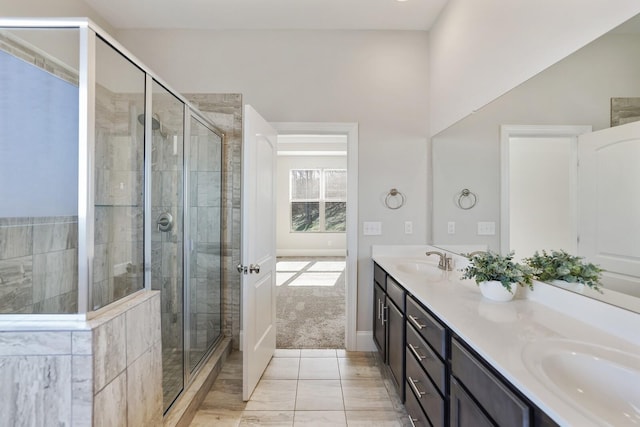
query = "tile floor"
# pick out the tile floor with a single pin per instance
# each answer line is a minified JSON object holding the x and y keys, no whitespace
{"x":305,"y":388}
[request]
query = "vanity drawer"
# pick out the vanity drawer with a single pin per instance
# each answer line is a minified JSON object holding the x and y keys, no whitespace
{"x":418,"y":348}
{"x":430,"y":329}
{"x":505,"y":407}
{"x":415,"y":412}
{"x":425,"y":392}
{"x":379,"y":275}
{"x":396,"y":293}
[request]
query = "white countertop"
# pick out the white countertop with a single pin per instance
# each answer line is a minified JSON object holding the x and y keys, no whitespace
{"x":502,"y":332}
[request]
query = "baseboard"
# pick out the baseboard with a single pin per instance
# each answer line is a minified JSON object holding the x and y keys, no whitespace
{"x":311,"y":252}
{"x":364,"y":341}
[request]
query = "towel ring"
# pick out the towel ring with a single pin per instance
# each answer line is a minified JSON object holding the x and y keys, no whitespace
{"x":467,"y":199}
{"x":394,"y":194}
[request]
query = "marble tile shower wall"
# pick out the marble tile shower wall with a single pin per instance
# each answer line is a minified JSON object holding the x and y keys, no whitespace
{"x":38,"y":255}
{"x":166,"y":247}
{"x":39,"y":265}
{"x":118,"y":267}
{"x":104,"y":372}
{"x":225,"y":110}
{"x":205,"y":221}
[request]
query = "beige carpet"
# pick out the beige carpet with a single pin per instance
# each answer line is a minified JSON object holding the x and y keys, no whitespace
{"x":310,"y":303}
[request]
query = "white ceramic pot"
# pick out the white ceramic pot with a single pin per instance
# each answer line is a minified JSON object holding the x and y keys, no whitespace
{"x":494,"y":291}
{"x":575,"y":287}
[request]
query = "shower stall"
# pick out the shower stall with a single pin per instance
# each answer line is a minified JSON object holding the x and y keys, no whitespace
{"x":110,"y":185}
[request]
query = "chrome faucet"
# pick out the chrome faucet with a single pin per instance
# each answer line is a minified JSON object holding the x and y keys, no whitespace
{"x":445,"y":263}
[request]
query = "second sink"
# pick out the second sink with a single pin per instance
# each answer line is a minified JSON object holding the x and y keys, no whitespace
{"x":603,"y":382}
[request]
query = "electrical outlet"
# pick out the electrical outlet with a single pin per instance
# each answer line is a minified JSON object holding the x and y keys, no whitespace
{"x":451,"y":227}
{"x":408,"y":227}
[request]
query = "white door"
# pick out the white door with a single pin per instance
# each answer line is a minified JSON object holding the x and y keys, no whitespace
{"x":258,"y":248}
{"x":609,"y":201}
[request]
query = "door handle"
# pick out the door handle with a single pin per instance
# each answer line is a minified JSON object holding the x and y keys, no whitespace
{"x":252,"y":268}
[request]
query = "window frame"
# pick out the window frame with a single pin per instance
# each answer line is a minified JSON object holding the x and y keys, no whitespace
{"x":321,"y":200}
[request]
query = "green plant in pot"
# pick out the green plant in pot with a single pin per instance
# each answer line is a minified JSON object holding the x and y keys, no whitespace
{"x":496,"y":274}
{"x":562,"y":266}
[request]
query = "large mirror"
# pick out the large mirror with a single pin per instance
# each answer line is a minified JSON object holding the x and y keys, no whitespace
{"x":528,"y":141}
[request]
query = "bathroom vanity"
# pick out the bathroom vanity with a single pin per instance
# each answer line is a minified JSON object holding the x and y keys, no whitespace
{"x":460,"y":360}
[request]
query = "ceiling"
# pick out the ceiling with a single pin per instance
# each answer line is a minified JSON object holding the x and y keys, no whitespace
{"x":270,"y":14}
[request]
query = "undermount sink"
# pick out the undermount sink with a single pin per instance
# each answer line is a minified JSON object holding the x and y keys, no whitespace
{"x":600,"y":381}
{"x":421,"y":268}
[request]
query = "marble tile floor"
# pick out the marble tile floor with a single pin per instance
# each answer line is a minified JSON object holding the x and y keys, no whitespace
{"x":305,"y":388}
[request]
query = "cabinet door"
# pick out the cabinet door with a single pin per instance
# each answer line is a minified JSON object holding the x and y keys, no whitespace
{"x":379,"y":327}
{"x":395,"y":349}
{"x":495,"y":397}
{"x":464,"y":411}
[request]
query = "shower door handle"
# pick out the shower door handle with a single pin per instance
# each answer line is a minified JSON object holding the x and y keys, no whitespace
{"x":164,"y":222}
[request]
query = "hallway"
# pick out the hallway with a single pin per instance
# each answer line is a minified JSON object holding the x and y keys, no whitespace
{"x":305,"y":388}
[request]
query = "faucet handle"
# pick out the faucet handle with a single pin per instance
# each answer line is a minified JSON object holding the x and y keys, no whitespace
{"x":448,"y":263}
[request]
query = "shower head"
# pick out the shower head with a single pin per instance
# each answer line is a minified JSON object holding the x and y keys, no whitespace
{"x":155,"y":121}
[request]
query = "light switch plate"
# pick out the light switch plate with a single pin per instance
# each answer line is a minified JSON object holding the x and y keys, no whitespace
{"x":486,"y":228}
{"x":372,"y":228}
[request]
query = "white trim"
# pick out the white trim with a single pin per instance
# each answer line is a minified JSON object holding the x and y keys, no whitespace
{"x":532,"y":131}
{"x":365,"y":341}
{"x":351,"y":131}
{"x":311,"y":252}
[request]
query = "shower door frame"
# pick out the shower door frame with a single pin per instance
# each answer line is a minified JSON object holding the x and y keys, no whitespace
{"x":189,"y":113}
{"x":88,"y":32}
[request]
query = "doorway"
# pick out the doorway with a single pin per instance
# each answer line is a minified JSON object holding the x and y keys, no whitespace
{"x":317,"y":234}
{"x":539,"y":211}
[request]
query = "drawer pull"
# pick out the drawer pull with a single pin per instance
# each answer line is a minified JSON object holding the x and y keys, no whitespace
{"x":413,"y":383}
{"x":412,"y":421}
{"x":416,"y":322}
{"x":414,"y":350}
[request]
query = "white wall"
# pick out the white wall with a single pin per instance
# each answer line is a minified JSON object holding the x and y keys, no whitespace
{"x":375,"y":78}
{"x":57,"y":8}
{"x":481,"y":49}
{"x":304,"y":244}
{"x":576,"y":91}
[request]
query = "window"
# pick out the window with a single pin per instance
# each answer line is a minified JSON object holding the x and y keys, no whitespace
{"x":318,"y":200}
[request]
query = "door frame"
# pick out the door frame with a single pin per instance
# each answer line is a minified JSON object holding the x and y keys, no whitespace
{"x":351,"y":132}
{"x":531,"y":131}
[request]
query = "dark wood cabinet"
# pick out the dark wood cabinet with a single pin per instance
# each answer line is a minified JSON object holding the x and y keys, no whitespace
{"x":388,"y":325}
{"x":395,"y":350}
{"x":494,"y":396}
{"x":464,"y":411}
{"x":441,"y":380}
{"x":379,"y":322}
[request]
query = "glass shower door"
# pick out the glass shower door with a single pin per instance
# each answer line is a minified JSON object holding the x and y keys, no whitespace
{"x":167,"y":231}
{"x":205,"y":213}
